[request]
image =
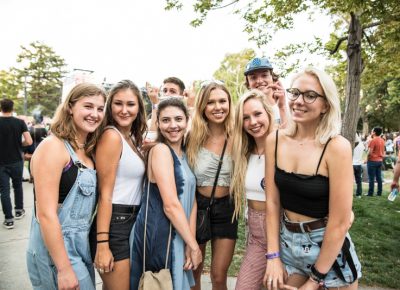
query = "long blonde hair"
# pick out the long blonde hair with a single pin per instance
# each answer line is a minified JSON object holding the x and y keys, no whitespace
{"x":199,"y":132}
{"x":244,"y":144}
{"x":63,"y":126}
{"x":330,"y":122}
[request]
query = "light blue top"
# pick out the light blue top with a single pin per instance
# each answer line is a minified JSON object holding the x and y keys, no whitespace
{"x":183,"y":280}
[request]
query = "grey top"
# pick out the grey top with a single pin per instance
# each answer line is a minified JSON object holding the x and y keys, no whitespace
{"x":207,"y":165}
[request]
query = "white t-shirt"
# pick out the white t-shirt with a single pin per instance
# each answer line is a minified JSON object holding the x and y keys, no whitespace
{"x":254,"y":182}
{"x":357,"y":154}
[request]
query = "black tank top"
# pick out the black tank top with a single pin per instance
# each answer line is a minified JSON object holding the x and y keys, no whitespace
{"x":304,"y":194}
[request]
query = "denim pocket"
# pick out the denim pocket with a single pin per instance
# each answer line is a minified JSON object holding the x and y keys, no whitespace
{"x":84,"y":201}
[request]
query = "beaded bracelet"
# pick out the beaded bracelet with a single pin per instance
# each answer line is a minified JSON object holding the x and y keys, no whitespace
{"x":271,"y":256}
{"x":100,"y":233}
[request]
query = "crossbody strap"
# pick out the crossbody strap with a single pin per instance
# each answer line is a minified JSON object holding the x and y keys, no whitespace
{"x":217,"y":175}
{"x":145,"y":230}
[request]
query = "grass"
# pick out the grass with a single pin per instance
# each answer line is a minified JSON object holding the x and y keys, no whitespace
{"x":375,"y":233}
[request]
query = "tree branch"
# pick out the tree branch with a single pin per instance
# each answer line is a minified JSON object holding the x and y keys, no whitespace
{"x":338,"y":43}
{"x":229,"y":4}
{"x":340,"y":40}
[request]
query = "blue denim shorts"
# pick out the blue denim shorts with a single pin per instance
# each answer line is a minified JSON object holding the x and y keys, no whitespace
{"x":299,"y":251}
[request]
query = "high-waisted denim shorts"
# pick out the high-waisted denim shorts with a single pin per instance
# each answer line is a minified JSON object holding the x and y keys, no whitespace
{"x":300,"y":250}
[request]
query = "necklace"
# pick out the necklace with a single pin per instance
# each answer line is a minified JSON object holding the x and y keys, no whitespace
{"x":261,"y":153}
{"x":81,"y":145}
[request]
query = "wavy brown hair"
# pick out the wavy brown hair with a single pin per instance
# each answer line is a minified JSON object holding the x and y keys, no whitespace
{"x":63,"y":126}
{"x":139,"y":126}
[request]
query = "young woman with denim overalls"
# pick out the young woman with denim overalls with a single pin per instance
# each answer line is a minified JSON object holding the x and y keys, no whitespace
{"x":58,"y":255}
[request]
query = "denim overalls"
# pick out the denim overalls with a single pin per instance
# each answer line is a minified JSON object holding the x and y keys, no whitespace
{"x":75,"y":217}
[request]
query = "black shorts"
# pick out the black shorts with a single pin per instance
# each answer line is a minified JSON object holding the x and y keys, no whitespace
{"x":123,"y":218}
{"x":222,"y":226}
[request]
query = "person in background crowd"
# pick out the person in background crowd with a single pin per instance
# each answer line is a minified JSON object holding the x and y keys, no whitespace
{"x":260,"y":75}
{"x":389,"y":145}
{"x":396,"y":174}
{"x":172,"y":87}
{"x":12,"y":130}
{"x":357,"y":164}
{"x":120,"y":170}
{"x":168,"y":204}
{"x":376,"y":151}
{"x":38,"y":132}
{"x":254,"y":121}
{"x":58,"y":254}
{"x":309,"y":185}
{"x":210,"y":133}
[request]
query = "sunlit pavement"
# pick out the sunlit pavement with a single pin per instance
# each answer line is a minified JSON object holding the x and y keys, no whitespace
{"x":13,"y":243}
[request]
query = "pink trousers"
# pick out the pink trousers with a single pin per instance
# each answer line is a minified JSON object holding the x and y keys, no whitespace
{"x":252,"y":270}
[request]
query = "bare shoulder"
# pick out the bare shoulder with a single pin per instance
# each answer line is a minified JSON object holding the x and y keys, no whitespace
{"x":338,"y":150}
{"x":160,"y":150}
{"x":110,"y":136}
{"x":52,"y":149}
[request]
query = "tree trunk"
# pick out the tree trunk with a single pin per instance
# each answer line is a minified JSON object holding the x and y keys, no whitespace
{"x":354,"y":69}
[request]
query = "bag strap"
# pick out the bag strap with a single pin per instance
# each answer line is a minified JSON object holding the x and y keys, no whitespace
{"x":346,"y":255}
{"x":145,"y":229}
{"x":217,"y":175}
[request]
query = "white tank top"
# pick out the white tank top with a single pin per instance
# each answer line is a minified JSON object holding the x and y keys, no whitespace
{"x":254,"y":182}
{"x":129,"y":178}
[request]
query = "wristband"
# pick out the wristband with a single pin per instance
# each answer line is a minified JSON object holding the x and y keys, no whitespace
{"x":317,"y":276}
{"x":100,"y":233}
{"x":102,"y":241}
{"x":154,"y":106}
{"x":271,"y":256}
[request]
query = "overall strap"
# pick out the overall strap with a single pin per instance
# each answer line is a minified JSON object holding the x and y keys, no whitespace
{"x":217,"y":175}
{"x":322,"y":155}
{"x":276,"y":149}
{"x":72,"y":153}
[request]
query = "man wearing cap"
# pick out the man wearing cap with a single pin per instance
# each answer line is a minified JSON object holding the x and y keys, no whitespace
{"x":259,"y":75}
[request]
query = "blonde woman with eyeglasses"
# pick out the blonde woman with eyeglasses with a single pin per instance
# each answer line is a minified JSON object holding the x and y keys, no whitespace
{"x":309,"y":184}
{"x":210,"y":133}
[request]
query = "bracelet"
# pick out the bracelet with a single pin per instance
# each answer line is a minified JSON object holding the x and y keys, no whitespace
{"x":154,"y":106}
{"x":100,"y":233}
{"x":271,"y":256}
{"x":102,"y":241}
{"x":317,"y":276}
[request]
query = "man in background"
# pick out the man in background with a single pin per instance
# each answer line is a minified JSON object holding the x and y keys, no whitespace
{"x":376,"y":151}
{"x":11,"y":161}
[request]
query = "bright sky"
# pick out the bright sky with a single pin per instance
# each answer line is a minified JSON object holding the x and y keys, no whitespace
{"x":131,"y":39}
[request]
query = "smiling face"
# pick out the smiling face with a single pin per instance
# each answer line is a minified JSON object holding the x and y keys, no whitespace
{"x":255,"y":119}
{"x":87,"y":114}
{"x":172,"y":124}
{"x":125,"y":108}
{"x":260,"y":79}
{"x":217,"y":107}
{"x":300,"y":110}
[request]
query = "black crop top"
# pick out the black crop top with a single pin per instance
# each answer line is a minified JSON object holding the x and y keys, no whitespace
{"x":304,"y":194}
{"x":68,"y":178}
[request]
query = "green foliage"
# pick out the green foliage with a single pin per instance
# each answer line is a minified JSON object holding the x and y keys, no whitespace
{"x":10,"y":88}
{"x":231,"y":71}
{"x":43,"y":70}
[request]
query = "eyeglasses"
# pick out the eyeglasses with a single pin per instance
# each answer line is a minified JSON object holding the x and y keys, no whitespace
{"x":208,"y":82}
{"x":309,"y":97}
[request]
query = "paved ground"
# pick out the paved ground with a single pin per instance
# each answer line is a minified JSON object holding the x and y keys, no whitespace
{"x":13,"y":273}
